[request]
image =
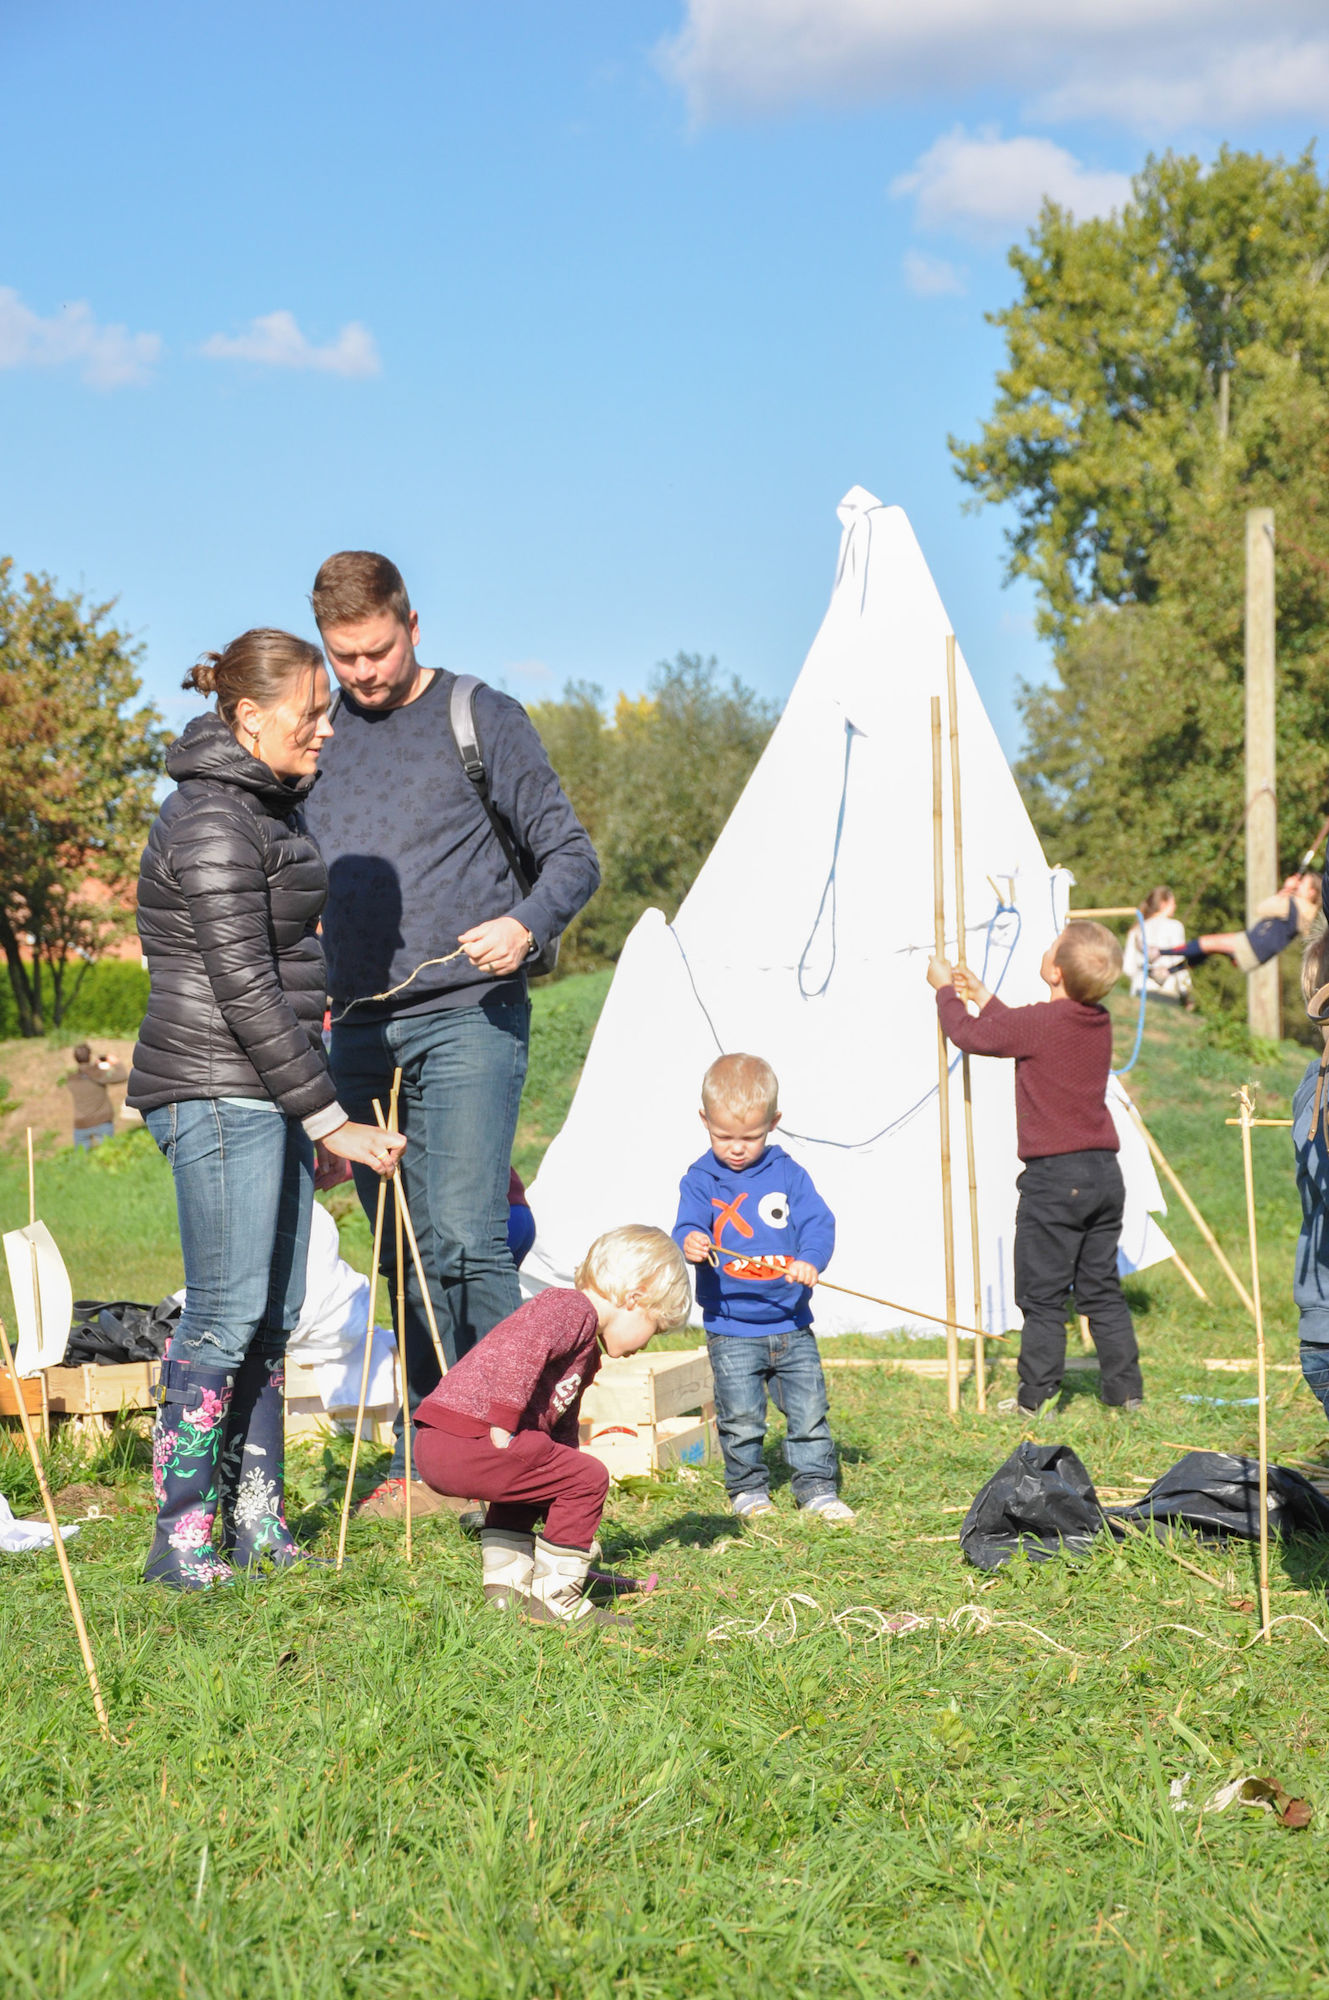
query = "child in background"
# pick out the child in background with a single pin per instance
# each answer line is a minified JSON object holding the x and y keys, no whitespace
{"x":1068,"y":1222}
{"x":1310,"y":1141}
{"x":1279,"y":921}
{"x":752,"y":1201}
{"x":1164,"y":940}
{"x":502,"y":1424}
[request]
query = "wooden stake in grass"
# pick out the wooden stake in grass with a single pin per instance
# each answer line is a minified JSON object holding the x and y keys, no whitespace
{"x":417,"y":1260}
{"x":1261,"y":1389}
{"x":364,"y":1371}
{"x":62,"y":1557}
{"x":943,"y":1072}
{"x":957,"y":823}
{"x":1193,"y":1211}
{"x":393,"y":1126}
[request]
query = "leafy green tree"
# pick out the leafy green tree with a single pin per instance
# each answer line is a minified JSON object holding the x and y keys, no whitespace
{"x":653,"y":787}
{"x":1148,"y":355}
{"x":78,"y":764}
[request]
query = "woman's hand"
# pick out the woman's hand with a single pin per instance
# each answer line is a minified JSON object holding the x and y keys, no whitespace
{"x":696,"y":1246}
{"x":497,"y":947}
{"x":367,"y":1145}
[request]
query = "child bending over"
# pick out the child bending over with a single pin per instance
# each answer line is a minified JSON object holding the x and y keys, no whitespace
{"x":775,"y":1236}
{"x":1310,"y":1140}
{"x":1068,"y":1221}
{"x":502,"y":1424}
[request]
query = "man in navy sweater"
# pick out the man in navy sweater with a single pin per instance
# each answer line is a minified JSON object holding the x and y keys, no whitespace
{"x":749,"y":1202}
{"x":417,"y":874}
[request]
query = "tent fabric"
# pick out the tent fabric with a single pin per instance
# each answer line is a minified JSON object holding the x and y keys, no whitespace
{"x":805,"y":938}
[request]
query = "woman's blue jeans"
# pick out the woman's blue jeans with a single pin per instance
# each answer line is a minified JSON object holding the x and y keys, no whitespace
{"x":462,"y":1075}
{"x":244,"y":1189}
{"x":787,"y":1365}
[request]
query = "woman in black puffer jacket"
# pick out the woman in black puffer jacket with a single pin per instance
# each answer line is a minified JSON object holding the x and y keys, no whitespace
{"x":233,"y":1083}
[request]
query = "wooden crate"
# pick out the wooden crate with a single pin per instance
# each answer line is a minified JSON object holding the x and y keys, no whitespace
{"x":648,"y":1388}
{"x":93,"y":1390}
{"x":307,"y":1417}
{"x":635,"y":1453}
{"x":32,"y":1396}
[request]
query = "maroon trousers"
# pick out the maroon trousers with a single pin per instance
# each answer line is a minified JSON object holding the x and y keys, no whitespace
{"x":530,"y":1478}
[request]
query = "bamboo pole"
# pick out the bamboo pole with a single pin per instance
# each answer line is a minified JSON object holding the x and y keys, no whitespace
{"x":1190,"y":1278}
{"x":417,"y":1260}
{"x":364,"y":1371}
{"x":1261,"y":1390}
{"x":32,"y":1184}
{"x":952,"y":703}
{"x":943,"y":1072}
{"x":401,"y":1317}
{"x":61,"y":1553}
{"x":35,"y":1268}
{"x":1193,"y":1212}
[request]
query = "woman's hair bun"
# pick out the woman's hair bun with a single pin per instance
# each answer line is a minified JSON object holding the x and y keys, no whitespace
{"x":203,"y":677}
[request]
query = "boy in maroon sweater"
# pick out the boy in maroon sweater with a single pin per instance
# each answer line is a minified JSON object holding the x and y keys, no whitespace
{"x":502,"y":1424}
{"x":1068,"y":1221}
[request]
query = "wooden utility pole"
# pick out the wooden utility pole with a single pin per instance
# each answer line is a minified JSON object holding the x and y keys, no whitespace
{"x":1264,"y":1011}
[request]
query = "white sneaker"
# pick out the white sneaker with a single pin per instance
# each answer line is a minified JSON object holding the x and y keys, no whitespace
{"x":829,"y":1507}
{"x":746,"y":1505}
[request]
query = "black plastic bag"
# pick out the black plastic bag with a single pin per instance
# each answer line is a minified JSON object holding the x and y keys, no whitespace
{"x":1218,"y":1495}
{"x":1041,"y":1500}
{"x":117,"y":1330}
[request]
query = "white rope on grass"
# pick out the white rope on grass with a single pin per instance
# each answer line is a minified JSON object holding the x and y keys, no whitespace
{"x":780,"y":1625}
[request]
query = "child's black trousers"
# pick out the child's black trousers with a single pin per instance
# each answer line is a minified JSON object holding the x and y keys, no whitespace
{"x":1066,"y":1231}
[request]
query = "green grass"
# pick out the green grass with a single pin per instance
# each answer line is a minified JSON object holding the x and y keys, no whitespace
{"x":366,"y":1785}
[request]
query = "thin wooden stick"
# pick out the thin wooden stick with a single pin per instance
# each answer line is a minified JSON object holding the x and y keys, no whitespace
{"x":1193,"y":1212}
{"x":893,"y":1305}
{"x":62,"y":1556}
{"x":952,"y":702}
{"x":401,"y":1317}
{"x":32,"y":1184}
{"x":1190,"y":1277}
{"x":1261,"y":1378}
{"x":943,"y":1073}
{"x":418,"y":1261}
{"x":364,"y":1371}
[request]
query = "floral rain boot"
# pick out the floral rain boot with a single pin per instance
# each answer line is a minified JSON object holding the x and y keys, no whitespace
{"x":253,"y":1462}
{"x":192,"y":1405}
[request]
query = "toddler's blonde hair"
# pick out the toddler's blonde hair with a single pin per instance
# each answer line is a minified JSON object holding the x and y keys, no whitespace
{"x":1090,"y":961}
{"x":637,"y":1258}
{"x":746,"y":1086}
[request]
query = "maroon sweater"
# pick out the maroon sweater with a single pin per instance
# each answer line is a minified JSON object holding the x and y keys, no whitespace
{"x":527,"y":1375}
{"x":1062,"y":1051}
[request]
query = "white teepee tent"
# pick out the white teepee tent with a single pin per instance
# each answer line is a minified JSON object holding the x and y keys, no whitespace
{"x":805,"y":938}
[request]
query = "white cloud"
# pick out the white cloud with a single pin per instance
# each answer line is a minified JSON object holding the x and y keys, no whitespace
{"x":931,"y":277}
{"x":1153,"y":64}
{"x":107,"y":357}
{"x":274,"y":340}
{"x":983,"y":183}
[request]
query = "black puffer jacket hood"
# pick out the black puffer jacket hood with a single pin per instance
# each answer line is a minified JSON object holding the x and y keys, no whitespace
{"x":230,"y":892}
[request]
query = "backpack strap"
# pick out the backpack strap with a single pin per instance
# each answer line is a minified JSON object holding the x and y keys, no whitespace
{"x":466,"y":735}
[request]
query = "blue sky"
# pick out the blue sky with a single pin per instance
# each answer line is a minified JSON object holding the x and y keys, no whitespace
{"x":586,"y":314}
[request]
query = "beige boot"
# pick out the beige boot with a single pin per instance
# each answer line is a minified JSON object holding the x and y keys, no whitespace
{"x":557,"y":1588}
{"x":507,"y":1560}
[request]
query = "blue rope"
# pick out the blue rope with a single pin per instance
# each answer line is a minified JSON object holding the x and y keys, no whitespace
{"x":1144,"y":995}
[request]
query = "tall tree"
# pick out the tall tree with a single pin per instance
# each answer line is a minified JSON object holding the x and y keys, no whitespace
{"x":78,"y":763}
{"x":1148,"y":355}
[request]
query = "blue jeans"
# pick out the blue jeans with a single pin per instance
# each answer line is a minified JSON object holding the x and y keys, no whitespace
{"x":244,"y":1189}
{"x":88,"y":1136}
{"x":789,"y":1367}
{"x":462,"y":1073}
{"x":1315,"y":1370}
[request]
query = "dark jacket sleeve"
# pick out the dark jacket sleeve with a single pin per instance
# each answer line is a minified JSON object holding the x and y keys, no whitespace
{"x":998,"y":1031}
{"x":218,"y":863}
{"x":525,"y":789}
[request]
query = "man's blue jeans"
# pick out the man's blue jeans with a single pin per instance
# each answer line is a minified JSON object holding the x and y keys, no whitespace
{"x":789,"y":1367}
{"x":244,"y":1189}
{"x":462,"y":1073}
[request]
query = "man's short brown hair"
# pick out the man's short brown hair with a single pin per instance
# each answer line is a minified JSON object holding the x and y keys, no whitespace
{"x":1090,"y":961}
{"x":356,"y":584}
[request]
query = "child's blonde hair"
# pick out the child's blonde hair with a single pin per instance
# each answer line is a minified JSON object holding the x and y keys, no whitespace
{"x":637,"y":1258}
{"x":1315,"y":970}
{"x":746,"y":1086}
{"x":1090,"y":961}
